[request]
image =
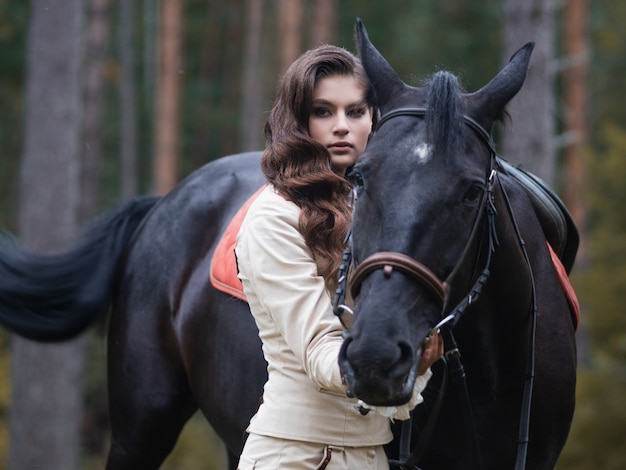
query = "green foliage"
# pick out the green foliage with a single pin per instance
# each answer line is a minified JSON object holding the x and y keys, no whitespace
{"x":422,"y":37}
{"x":13,"y":18}
{"x":597,"y":436}
{"x":197,"y":443}
{"x":602,"y":284}
{"x":600,"y":418}
{"x":607,"y":63}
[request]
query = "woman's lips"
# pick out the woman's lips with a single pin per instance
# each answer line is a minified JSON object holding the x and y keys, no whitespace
{"x":341,"y":147}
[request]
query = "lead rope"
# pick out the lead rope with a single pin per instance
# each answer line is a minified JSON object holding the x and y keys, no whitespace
{"x":408,"y":460}
{"x":452,"y":319}
{"x":524,"y":425}
{"x":453,"y":355}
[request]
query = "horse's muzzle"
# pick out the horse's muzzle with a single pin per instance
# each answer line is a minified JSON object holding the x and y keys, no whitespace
{"x":383,"y":376}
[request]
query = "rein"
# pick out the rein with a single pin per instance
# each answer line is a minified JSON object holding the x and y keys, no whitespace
{"x":387,"y":261}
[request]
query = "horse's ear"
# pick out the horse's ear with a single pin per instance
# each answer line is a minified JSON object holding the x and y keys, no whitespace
{"x":384,"y":79}
{"x":491,"y":99}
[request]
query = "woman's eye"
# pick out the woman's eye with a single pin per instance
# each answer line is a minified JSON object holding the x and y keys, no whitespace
{"x":358,"y":112}
{"x":321,"y":112}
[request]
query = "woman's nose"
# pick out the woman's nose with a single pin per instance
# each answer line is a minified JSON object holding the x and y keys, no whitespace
{"x":341,"y":124}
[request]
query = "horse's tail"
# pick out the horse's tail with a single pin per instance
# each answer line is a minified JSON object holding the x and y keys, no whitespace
{"x":55,"y":297}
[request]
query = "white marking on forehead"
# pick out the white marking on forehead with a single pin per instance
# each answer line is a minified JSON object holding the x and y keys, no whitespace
{"x":422,"y":152}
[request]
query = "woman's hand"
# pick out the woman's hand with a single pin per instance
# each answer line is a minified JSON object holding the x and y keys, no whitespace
{"x":433,"y":350}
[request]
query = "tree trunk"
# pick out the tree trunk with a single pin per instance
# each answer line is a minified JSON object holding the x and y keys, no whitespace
{"x":324,"y":22}
{"x":290,"y":27}
{"x":229,"y":101}
{"x":529,"y":139}
{"x":98,"y":42}
{"x":251,"y":114}
{"x":128,"y":121}
{"x":575,"y":91}
{"x":94,"y":426}
{"x":203,"y":128}
{"x":46,"y":387}
{"x":149,"y":62}
{"x":167,"y":124}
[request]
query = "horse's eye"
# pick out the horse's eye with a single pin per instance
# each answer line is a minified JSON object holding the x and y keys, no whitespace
{"x":356,"y":178}
{"x":473,"y":194}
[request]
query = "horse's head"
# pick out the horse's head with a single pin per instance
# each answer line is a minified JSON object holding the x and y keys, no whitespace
{"x":422,"y":184}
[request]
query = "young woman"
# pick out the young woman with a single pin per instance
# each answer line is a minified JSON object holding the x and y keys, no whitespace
{"x":289,"y":250}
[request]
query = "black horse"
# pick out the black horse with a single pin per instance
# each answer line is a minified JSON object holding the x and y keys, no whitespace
{"x":428,"y":183}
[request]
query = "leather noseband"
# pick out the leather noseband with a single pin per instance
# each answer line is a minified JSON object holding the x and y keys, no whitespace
{"x":388,"y":261}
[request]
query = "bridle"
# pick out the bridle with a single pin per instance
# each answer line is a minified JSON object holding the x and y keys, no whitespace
{"x":389,"y":261}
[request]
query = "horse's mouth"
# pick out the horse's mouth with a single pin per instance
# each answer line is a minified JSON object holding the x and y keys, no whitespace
{"x":382,"y":391}
{"x":376,"y":386}
{"x":379,"y":386}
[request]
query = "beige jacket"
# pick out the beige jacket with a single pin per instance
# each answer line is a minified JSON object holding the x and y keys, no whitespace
{"x":304,"y":398}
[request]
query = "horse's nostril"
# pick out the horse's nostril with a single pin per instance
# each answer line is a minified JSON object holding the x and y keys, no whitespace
{"x":370,"y":358}
{"x":406,"y":352}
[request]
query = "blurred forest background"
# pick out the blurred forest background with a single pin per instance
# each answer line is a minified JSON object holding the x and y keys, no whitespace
{"x":104,"y":99}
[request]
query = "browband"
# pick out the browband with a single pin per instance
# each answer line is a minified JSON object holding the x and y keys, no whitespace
{"x":421,"y":112}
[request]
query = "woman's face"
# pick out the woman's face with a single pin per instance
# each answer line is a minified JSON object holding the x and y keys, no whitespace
{"x":340,"y":119}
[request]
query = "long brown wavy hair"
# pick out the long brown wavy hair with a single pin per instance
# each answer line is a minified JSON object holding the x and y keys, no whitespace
{"x":299,"y":167}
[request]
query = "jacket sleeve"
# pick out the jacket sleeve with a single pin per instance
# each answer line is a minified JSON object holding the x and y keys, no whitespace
{"x":280,"y":269}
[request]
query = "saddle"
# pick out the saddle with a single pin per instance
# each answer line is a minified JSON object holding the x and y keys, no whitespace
{"x":556,"y":221}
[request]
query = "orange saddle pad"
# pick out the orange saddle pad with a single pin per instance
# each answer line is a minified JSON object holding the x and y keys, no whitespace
{"x":224,"y":263}
{"x":567,"y":287}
